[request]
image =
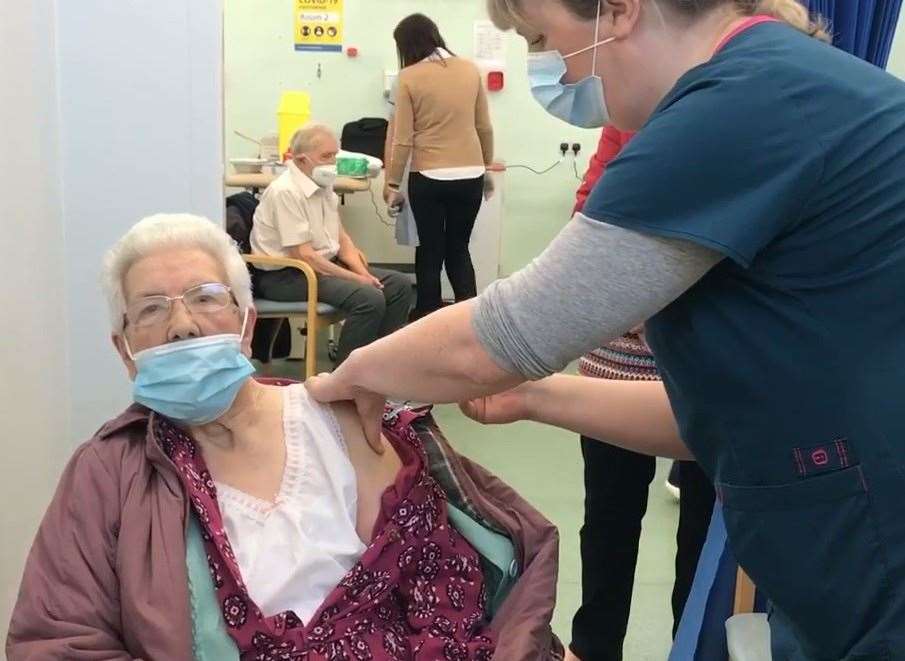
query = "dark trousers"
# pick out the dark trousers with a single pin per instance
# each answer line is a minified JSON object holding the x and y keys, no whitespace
{"x":695,"y":510}
{"x":370,"y":313}
{"x":445,"y":213}
{"x":616,"y":491}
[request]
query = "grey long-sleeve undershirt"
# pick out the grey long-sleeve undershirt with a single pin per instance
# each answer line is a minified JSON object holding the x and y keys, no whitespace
{"x":593,"y":283}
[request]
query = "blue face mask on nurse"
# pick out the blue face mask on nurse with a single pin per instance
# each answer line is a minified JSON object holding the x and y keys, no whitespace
{"x":580,"y":104}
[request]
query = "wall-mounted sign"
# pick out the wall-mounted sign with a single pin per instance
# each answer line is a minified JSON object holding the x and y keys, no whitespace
{"x":319,"y":25}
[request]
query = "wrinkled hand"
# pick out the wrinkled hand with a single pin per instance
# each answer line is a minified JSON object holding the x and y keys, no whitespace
{"x":334,"y":387}
{"x":394,"y":199}
{"x":500,"y":409}
{"x":369,"y":280}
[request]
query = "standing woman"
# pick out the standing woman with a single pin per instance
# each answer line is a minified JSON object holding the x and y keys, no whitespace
{"x":442,"y":124}
{"x":616,"y":484}
{"x":757,"y":221}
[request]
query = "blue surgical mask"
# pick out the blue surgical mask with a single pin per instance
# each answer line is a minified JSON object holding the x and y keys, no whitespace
{"x":192,"y":381}
{"x":580,"y":104}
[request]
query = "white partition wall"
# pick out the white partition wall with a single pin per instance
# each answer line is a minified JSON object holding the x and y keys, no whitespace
{"x":109,"y":111}
{"x":141,"y":132}
{"x":896,"y":63}
{"x":33,"y":376}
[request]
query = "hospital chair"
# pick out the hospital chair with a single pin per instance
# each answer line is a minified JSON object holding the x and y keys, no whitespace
{"x":311,"y":318}
{"x":745,"y":593}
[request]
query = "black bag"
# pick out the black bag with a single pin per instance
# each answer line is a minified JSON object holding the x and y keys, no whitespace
{"x":366,"y":136}
{"x":240,"y":214}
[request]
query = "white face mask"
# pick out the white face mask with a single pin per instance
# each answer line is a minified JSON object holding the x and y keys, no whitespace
{"x":324,"y":175}
{"x":581,"y":104}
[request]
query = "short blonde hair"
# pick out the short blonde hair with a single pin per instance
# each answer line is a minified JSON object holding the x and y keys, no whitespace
{"x":507,"y":14}
{"x":171,"y":232}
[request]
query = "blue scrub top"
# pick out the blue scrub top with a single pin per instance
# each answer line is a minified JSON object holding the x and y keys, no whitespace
{"x":785,"y":365}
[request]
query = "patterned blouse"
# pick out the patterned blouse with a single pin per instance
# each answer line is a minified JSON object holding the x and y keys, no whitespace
{"x":418,"y":591}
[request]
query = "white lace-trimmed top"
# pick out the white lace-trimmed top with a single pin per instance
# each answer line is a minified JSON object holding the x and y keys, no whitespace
{"x":294,"y":551}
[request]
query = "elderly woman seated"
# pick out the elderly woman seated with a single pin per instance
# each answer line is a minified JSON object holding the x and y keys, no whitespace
{"x":223,"y":517}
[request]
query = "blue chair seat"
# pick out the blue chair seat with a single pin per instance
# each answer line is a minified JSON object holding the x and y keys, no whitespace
{"x":266,"y":306}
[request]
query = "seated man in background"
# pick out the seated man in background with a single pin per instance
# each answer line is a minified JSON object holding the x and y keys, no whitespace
{"x":299,"y":218}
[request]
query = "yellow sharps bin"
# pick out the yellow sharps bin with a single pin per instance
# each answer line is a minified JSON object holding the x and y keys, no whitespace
{"x":293,"y":113}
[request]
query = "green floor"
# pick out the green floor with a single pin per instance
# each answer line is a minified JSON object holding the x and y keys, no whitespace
{"x":544,"y":465}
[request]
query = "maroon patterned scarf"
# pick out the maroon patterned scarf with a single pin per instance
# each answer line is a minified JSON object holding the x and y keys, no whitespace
{"x":416,"y":593}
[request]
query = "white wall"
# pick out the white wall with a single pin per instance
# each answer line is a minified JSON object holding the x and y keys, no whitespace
{"x":109,"y":111}
{"x":260,"y":62}
{"x":897,"y":55}
{"x":141,"y":132}
{"x":34,"y":381}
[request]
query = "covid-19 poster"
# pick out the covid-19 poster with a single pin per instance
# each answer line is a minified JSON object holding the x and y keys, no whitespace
{"x":318,"y":25}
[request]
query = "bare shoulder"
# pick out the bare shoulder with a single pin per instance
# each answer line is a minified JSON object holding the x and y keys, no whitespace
{"x":374,"y":472}
{"x":364,"y":459}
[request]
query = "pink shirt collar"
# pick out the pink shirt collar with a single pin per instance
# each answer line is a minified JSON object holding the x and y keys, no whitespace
{"x":746,"y":24}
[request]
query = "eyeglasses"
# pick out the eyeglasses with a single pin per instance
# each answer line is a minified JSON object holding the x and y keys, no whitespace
{"x":204,"y":299}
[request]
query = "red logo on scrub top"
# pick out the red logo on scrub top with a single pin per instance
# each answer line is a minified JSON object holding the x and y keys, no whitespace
{"x":820,"y":457}
{"x":823,"y":458}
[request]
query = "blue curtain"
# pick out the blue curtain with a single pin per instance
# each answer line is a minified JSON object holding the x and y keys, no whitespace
{"x":862,"y":27}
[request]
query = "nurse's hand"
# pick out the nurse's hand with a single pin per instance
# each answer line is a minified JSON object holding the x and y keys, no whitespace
{"x":510,"y":406}
{"x":333,"y":387}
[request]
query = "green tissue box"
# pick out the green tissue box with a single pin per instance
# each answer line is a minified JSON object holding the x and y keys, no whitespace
{"x":352,"y":167}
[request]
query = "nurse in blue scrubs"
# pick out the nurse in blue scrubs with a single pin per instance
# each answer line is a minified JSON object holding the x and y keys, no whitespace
{"x":758,"y":221}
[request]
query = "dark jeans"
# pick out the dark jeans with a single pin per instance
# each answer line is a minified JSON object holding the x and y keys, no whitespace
{"x":445,"y":213}
{"x":616,"y":490}
{"x":370,"y":312}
